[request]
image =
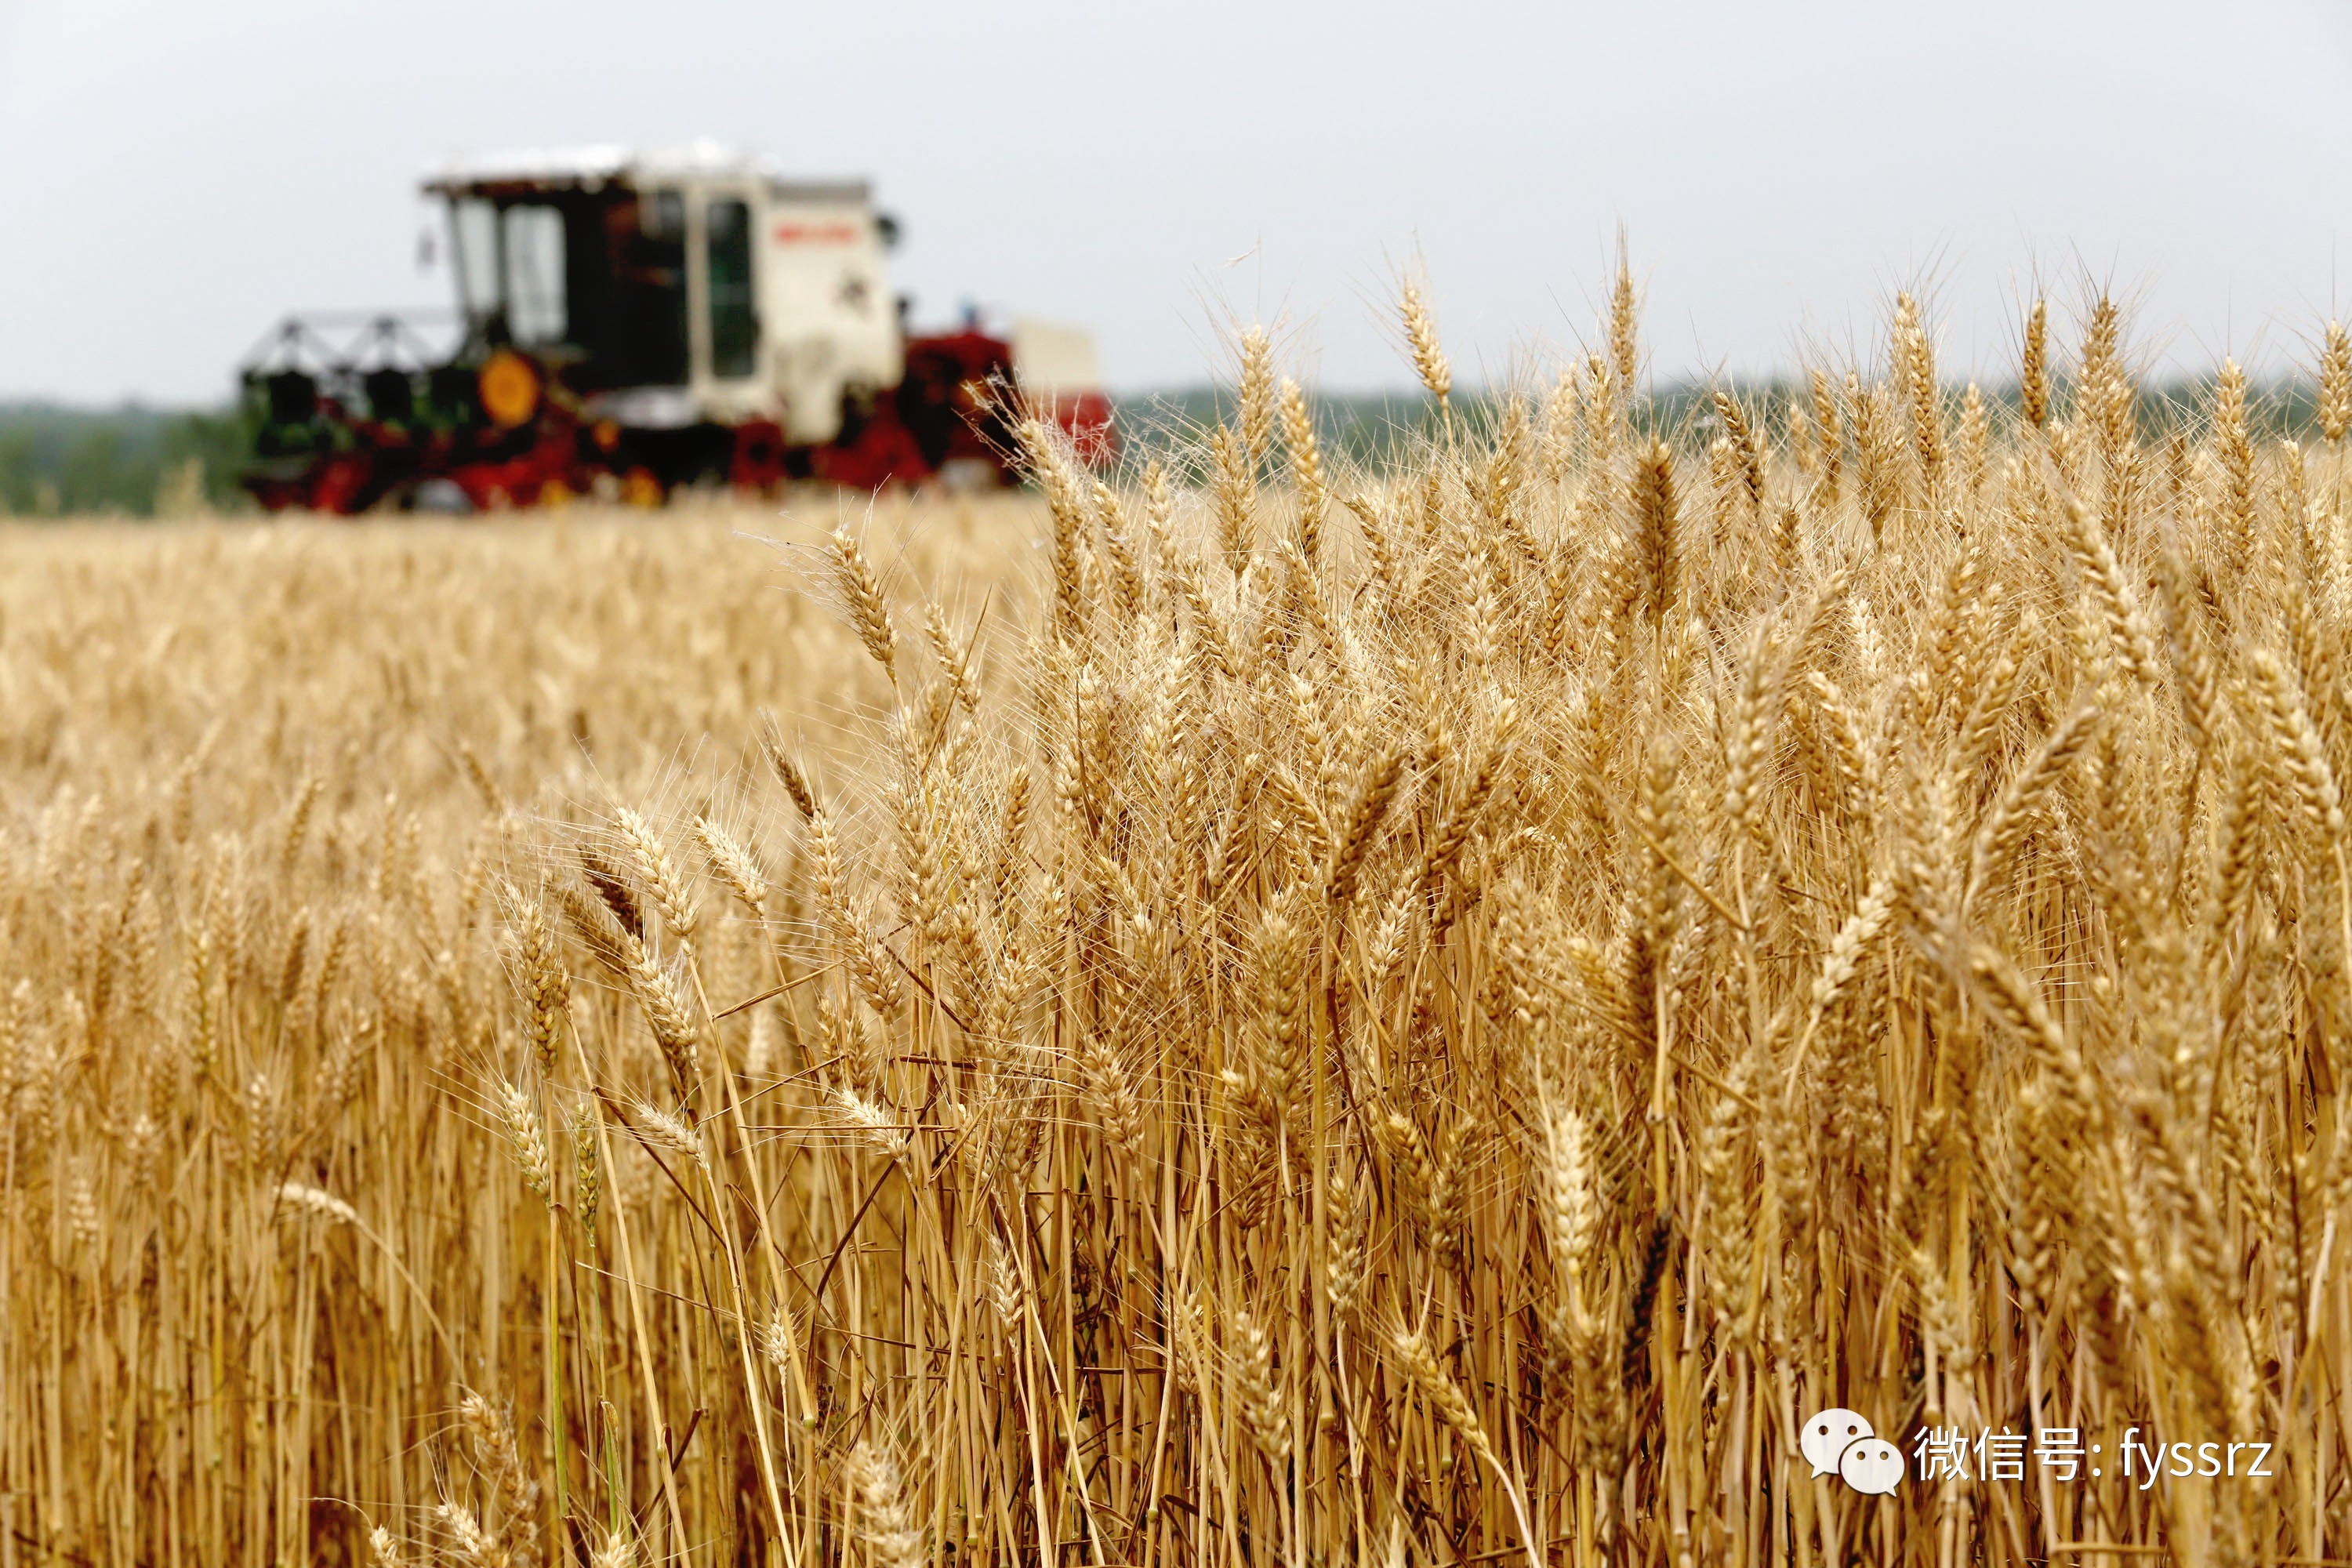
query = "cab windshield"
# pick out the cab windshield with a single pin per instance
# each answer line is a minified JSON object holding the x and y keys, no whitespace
{"x":595,"y":283}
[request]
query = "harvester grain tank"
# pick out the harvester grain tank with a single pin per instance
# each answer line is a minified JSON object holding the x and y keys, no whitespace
{"x":630,"y":324}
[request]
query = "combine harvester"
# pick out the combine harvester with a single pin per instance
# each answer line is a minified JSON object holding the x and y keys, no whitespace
{"x":627,"y":326}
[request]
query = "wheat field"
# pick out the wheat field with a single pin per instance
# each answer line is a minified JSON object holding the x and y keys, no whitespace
{"x":1267,"y":1010}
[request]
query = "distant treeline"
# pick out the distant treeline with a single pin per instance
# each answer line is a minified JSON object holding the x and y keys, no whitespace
{"x":1363,"y":427}
{"x":58,"y":462}
{"x":135,"y":461}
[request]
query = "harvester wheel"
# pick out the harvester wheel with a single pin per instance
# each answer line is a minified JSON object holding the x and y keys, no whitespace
{"x":758,"y":462}
{"x":339,"y":486}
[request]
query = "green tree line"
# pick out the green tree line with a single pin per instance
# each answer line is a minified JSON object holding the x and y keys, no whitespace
{"x":59,"y":461}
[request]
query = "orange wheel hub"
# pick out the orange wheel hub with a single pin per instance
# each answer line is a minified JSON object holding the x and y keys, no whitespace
{"x":510,"y":389}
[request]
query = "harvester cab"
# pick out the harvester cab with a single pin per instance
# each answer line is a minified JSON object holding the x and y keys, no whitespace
{"x":627,"y":325}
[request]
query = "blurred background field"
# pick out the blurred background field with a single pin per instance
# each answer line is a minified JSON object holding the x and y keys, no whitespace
{"x":407,"y":664}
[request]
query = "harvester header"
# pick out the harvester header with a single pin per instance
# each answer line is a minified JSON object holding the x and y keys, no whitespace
{"x":630,"y":324}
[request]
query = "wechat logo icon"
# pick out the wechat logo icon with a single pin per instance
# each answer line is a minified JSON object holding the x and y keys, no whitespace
{"x":1842,"y":1443}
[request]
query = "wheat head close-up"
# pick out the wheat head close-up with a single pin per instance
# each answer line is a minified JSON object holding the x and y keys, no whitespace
{"x":1263,"y":1003}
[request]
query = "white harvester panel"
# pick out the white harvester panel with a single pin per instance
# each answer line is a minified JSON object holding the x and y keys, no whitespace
{"x":832,"y":323}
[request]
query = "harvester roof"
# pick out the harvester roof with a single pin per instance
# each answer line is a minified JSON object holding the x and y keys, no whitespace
{"x":596,"y":166}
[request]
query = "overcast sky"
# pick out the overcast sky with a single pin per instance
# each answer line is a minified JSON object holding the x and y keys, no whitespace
{"x":174,"y":176}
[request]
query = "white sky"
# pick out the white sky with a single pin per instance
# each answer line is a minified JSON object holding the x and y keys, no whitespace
{"x":172,"y":178}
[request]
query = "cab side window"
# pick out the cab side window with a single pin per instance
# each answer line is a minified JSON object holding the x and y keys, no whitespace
{"x":734,"y":321}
